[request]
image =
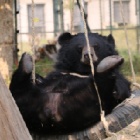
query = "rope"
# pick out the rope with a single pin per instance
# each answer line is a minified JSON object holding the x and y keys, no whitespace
{"x":89,"y":52}
{"x":33,"y":45}
{"x":136,"y":85}
{"x":87,"y":40}
{"x":85,"y":15}
{"x":128,"y":47}
{"x":71,"y":12}
{"x":105,"y":123}
{"x":76,"y":74}
{"x":127,"y":43}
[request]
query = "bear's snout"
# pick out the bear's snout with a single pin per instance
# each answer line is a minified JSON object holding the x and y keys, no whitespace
{"x":85,"y":55}
{"x":86,"y":58}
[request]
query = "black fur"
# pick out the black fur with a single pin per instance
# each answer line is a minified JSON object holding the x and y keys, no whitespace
{"x":63,"y":103}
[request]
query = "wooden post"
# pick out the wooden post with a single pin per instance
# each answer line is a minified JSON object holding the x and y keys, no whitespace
{"x":12,"y":126}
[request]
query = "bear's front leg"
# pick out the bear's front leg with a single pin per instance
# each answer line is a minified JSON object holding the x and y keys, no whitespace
{"x":24,"y":70}
{"x":121,"y":85}
{"x":21,"y":79}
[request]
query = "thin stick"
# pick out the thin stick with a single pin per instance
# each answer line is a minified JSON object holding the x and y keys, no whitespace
{"x":33,"y":45}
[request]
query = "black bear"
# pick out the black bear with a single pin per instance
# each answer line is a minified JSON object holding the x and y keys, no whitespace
{"x":66,"y":100}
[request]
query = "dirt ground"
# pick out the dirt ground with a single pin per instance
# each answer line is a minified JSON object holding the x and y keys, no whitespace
{"x":132,"y":132}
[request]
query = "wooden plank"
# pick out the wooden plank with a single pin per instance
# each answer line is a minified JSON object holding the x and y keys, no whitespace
{"x":12,"y":126}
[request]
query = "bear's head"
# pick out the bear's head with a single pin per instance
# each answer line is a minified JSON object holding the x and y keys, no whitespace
{"x":73,"y":55}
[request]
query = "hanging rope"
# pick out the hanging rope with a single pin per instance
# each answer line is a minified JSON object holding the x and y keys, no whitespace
{"x":89,"y":51}
{"x":105,"y":123}
{"x":71,"y":14}
{"x":85,"y":16}
{"x":127,"y":43}
{"x":128,"y":47}
{"x":33,"y":45}
{"x":87,"y":40}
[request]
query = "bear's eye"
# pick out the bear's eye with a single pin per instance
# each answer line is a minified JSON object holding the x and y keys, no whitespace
{"x":96,"y":46}
{"x":79,"y":48}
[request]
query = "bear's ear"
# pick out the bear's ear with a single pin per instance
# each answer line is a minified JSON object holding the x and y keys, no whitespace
{"x":111,"y":39}
{"x":64,"y":38}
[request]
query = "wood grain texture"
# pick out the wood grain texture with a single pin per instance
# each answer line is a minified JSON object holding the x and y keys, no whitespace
{"x":12,"y":126}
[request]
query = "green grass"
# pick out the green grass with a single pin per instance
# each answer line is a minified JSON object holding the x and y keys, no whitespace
{"x":44,"y":66}
{"x":135,"y":59}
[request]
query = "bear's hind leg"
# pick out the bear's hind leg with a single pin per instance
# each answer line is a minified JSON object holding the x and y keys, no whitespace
{"x":122,"y":88}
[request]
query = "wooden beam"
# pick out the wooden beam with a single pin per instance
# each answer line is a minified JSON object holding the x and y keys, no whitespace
{"x":12,"y":126}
